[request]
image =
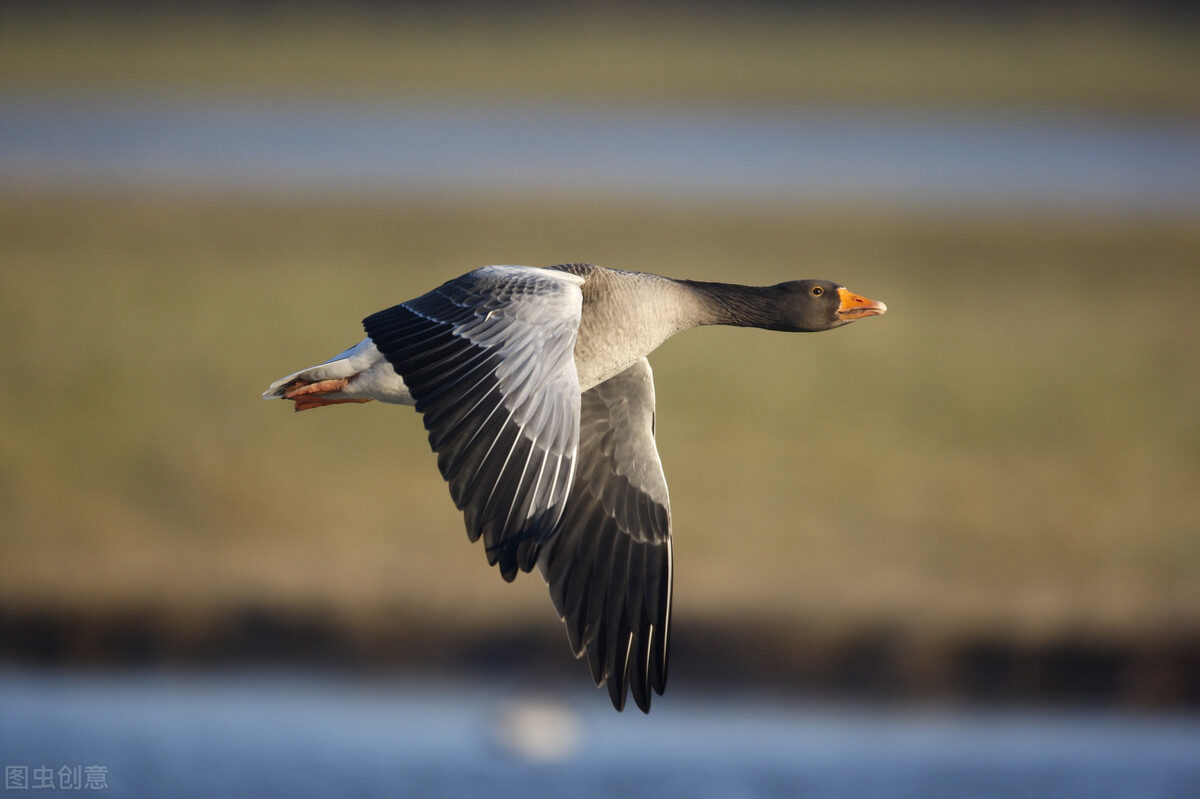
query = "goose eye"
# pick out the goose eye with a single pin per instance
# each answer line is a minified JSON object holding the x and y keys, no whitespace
{"x":817,"y":291}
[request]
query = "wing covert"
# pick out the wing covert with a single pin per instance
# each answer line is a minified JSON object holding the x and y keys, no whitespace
{"x":489,"y":359}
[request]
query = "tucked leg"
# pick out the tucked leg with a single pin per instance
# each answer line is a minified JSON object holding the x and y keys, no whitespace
{"x":313,"y":395}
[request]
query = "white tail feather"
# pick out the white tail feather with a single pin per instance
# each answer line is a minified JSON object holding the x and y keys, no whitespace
{"x":373,"y":377}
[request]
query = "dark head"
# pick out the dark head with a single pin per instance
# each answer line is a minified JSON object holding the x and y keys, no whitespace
{"x":795,"y":306}
{"x":812,"y":305}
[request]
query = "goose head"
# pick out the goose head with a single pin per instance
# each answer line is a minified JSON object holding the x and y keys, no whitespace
{"x":813,"y":305}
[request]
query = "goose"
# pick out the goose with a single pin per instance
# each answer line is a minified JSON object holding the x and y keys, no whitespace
{"x":535,"y":390}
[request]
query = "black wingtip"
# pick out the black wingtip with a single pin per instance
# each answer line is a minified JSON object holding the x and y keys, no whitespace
{"x":618,"y":697}
{"x":616,"y":692}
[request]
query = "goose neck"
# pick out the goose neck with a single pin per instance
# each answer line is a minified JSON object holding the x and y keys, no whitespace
{"x":738,"y":305}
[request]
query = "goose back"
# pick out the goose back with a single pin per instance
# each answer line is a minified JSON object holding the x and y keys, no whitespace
{"x":626,"y":316}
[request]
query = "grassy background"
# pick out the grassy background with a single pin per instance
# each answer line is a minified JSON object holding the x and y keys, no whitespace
{"x":1013,"y":450}
{"x":1107,"y":59}
{"x":1015,"y":444}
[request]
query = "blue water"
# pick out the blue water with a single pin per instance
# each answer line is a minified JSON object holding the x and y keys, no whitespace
{"x":971,"y":159}
{"x":272,"y":734}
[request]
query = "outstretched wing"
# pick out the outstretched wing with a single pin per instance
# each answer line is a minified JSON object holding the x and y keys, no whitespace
{"x":489,"y":359}
{"x":609,"y":565}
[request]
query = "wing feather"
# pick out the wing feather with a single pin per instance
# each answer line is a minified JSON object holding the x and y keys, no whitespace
{"x":542,"y":473}
{"x":489,"y":359}
{"x":609,"y":565}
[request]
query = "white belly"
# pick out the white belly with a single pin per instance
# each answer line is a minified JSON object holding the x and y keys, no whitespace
{"x":374,"y":378}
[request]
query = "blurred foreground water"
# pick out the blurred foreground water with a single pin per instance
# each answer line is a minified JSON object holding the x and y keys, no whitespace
{"x":277,"y":734}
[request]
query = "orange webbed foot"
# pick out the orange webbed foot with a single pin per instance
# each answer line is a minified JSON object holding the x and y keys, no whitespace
{"x":310,"y":395}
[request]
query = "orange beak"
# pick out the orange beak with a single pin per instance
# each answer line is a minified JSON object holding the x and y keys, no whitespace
{"x":856,"y":307}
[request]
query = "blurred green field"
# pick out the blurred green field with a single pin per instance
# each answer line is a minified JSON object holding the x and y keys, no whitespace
{"x":1011,"y":454}
{"x":1103,"y":58}
{"x":1014,"y":447}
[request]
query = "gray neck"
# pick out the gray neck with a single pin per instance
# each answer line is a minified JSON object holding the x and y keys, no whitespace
{"x":734,"y":304}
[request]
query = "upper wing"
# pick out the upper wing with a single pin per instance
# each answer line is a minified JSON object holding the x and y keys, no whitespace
{"x":609,"y":565}
{"x":489,"y":359}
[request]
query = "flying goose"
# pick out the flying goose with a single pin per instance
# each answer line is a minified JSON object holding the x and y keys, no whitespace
{"x":539,"y":402}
